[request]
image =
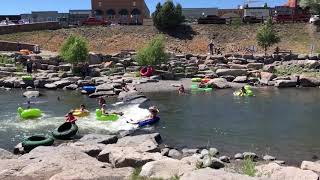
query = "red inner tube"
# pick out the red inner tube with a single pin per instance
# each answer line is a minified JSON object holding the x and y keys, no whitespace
{"x":147,"y":71}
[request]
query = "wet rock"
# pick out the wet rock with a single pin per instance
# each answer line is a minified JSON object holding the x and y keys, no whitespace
{"x":104,"y":87}
{"x":189,"y":152}
{"x":165,"y":168}
{"x":51,"y":86}
{"x":71,"y":87}
{"x":30,"y":94}
{"x":219,"y":83}
{"x":102,"y":93}
{"x":274,"y":171}
{"x":225,"y":159}
{"x":165,"y":151}
{"x":285,"y":83}
{"x":232,"y":72}
{"x":212,"y":162}
{"x":4,"y":154}
{"x":175,"y":154}
{"x":308,"y":165}
{"x":213,"y":151}
{"x":255,"y":66}
{"x":241,"y":79}
{"x":62,"y":83}
{"x":250,"y":155}
{"x":98,"y":138}
{"x":238,"y":156}
{"x":211,"y":174}
{"x":309,"y":81}
{"x":268,"y":158}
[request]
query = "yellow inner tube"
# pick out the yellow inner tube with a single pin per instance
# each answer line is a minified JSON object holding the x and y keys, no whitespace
{"x":80,"y":113}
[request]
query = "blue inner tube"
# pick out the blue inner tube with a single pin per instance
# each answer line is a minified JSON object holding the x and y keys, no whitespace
{"x":149,"y":122}
{"x":89,"y":89}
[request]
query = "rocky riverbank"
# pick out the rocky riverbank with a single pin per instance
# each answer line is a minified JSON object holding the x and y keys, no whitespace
{"x":133,"y":157}
{"x":106,"y":72}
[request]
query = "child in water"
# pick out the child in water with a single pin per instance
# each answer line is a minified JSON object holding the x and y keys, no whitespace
{"x":243,"y":91}
{"x":83,"y":108}
{"x":181,"y":89}
{"x":70,"y":118}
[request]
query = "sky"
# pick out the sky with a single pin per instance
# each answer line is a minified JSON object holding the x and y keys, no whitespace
{"x":26,"y":6}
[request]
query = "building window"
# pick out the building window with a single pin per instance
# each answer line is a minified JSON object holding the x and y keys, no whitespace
{"x":135,"y":15}
{"x":111,"y":14}
{"x":100,"y":4}
{"x":124,"y":14}
{"x":49,"y":19}
{"x":134,"y":4}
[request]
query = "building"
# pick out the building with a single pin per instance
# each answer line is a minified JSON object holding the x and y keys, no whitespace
{"x":292,"y":3}
{"x":230,"y":13}
{"x":12,"y":18}
{"x":121,"y":11}
{"x":193,"y":14}
{"x":44,"y":16}
{"x":78,"y":16}
{"x":257,"y":12}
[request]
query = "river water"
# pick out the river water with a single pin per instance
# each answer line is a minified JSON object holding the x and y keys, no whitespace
{"x":284,"y":123}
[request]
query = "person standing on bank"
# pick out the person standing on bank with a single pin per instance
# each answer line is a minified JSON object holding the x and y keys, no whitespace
{"x":211,"y":47}
{"x":29,"y":66}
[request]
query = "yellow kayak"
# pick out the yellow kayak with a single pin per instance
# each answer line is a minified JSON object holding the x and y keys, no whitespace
{"x":80,"y":113}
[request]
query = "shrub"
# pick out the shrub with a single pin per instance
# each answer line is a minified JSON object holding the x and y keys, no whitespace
{"x":154,"y":53}
{"x":266,"y":36}
{"x":167,"y":16}
{"x":248,"y":167}
{"x":5,"y":60}
{"x":74,"y":50}
{"x":314,"y":5}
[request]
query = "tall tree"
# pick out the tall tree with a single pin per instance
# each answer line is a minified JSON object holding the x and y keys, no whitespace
{"x":314,"y":5}
{"x":266,"y":36}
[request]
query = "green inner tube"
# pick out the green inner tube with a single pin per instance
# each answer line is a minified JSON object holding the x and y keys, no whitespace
{"x":109,"y":117}
{"x":27,"y":78}
{"x":195,"y":88}
{"x":29,"y":113}
{"x":196,"y":79}
{"x":65,"y":131}
{"x":34,"y":141}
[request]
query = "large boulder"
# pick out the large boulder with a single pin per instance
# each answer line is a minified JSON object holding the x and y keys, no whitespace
{"x":212,"y":162}
{"x":219,"y":83}
{"x":212,"y":174}
{"x":255,"y":66}
{"x":104,"y":87}
{"x":4,"y":154}
{"x":309,"y":81}
{"x":241,"y":79}
{"x":95,"y":58}
{"x":51,"y":86}
{"x":285,"y":83}
{"x":102,"y":93}
{"x":313,"y":166}
{"x":232,"y":72}
{"x":99,"y":138}
{"x":274,"y":171}
{"x":62,"y":83}
{"x":266,"y":76}
{"x":143,"y":143}
{"x":165,"y":168}
{"x":30,"y":94}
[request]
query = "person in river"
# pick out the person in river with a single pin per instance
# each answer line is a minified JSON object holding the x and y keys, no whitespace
{"x":153,"y":110}
{"x":105,"y":112}
{"x":70,"y":118}
{"x":83,"y":108}
{"x":202,"y":85}
{"x":181,"y":89}
{"x":243,"y":91}
{"x":102,"y":101}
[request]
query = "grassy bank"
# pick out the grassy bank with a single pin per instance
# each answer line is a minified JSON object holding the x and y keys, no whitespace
{"x":295,"y":37}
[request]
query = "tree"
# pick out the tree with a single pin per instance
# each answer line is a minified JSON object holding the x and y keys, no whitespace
{"x":74,"y":50}
{"x":167,"y":16}
{"x":153,"y":53}
{"x":266,"y":36}
{"x":265,"y":5}
{"x":314,"y":5}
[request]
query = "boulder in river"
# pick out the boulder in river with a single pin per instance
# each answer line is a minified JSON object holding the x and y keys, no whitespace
{"x":212,"y":162}
{"x":219,"y":83}
{"x":232,"y":72}
{"x":313,"y":166}
{"x":175,"y":154}
{"x":285,"y":83}
{"x":30,"y":94}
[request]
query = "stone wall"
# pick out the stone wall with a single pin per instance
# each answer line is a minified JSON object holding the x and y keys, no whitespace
{"x":15,"y":46}
{"x":29,"y":27}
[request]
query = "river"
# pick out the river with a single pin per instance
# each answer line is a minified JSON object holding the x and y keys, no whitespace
{"x":280,"y":122}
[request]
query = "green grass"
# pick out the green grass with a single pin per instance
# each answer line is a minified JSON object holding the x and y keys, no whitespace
{"x":5,"y":60}
{"x":19,"y":67}
{"x":249,"y":167}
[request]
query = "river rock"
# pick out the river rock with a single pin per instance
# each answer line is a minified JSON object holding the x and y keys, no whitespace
{"x":165,"y":151}
{"x":225,"y":159}
{"x":189,"y":152}
{"x":238,"y":156}
{"x":241,"y":79}
{"x":268,"y":158}
{"x":237,"y":66}
{"x":313,"y":166}
{"x":143,"y":143}
{"x":213,"y":174}
{"x":274,"y":171}
{"x":51,"y":86}
{"x":4,"y":154}
{"x":98,"y":138}
{"x":62,"y":162}
{"x":71,"y":87}
{"x":94,"y":58}
{"x":175,"y":154}
{"x":219,"y":83}
{"x":102,"y":93}
{"x":165,"y":169}
{"x":30,"y":94}
{"x":309,"y":81}
{"x":213,"y":151}
{"x":62,"y":83}
{"x":255,"y":66}
{"x":232,"y":72}
{"x":250,"y":155}
{"x":285,"y":83}
{"x":212,"y":162}
{"x":104,"y":87}
{"x":204,"y":152}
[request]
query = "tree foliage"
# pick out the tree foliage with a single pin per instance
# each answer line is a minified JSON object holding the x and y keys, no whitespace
{"x":74,"y":49}
{"x":314,"y":5}
{"x":266,"y":36}
{"x":153,"y":53}
{"x":167,"y":16}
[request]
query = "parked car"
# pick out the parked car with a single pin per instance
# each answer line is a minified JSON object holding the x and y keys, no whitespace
{"x":212,"y":19}
{"x":95,"y":22}
{"x":314,"y":19}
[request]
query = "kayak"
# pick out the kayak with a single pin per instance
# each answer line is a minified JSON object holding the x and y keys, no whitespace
{"x":195,"y":88}
{"x":196,"y":79}
{"x":27,"y":78}
{"x":65,"y":131}
{"x":34,"y":141}
{"x":29,"y":113}
{"x":80,"y":113}
{"x":89,"y":89}
{"x":149,"y":122}
{"x":109,"y":117}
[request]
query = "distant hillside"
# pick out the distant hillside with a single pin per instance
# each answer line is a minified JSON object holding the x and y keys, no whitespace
{"x":296,"y":37}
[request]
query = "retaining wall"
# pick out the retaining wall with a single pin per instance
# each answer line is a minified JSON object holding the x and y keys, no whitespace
{"x":29,"y":27}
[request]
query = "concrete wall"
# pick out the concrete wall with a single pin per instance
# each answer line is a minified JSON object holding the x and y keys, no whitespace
{"x":29,"y":27}
{"x":14,"y":46}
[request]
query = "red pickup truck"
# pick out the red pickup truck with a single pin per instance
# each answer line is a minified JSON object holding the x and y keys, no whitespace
{"x":95,"y":22}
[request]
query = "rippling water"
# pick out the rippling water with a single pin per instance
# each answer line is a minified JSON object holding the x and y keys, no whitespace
{"x":284,"y":123}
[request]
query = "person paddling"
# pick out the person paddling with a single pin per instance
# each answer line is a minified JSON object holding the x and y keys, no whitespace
{"x":153,"y":114}
{"x":181,"y":89}
{"x":102,"y":101}
{"x":70,"y":118}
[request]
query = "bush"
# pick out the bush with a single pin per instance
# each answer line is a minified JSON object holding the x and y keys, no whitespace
{"x":167,"y":16}
{"x":5,"y":60}
{"x":153,"y":53}
{"x":248,"y":167}
{"x":266,"y":36}
{"x":74,"y":50}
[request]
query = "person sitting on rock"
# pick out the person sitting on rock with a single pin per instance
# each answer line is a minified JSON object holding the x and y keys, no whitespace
{"x":202,"y":85}
{"x":70,"y":118}
{"x":105,"y":112}
{"x":181,"y":89}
